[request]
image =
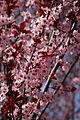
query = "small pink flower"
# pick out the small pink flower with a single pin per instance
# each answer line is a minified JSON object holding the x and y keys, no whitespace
{"x":76,"y":80}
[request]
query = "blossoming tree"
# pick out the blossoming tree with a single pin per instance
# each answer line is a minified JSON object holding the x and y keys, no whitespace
{"x":39,"y":59}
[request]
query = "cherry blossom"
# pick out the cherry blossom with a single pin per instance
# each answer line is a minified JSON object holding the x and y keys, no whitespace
{"x":39,"y":59}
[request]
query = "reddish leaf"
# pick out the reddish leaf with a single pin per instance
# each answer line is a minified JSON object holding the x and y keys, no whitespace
{"x":15,"y":27}
{"x":33,"y":99}
{"x":27,"y":31}
{"x":43,"y":54}
{"x":10,"y":1}
{"x":15,"y":2}
{"x":54,"y":87}
{"x":42,"y":4}
{"x":14,"y":54}
{"x":14,"y":46}
{"x":17,"y":46}
{"x":73,"y":89}
{"x":37,"y":39}
{"x":22,"y":26}
{"x":45,"y":0}
{"x":12,"y":64}
{"x":51,"y":55}
{"x":41,"y":12}
{"x":53,"y":76}
{"x":39,"y":3}
{"x":5,"y":111}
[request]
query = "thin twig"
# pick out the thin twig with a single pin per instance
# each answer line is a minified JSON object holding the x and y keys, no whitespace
{"x":43,"y":111}
{"x":48,"y":79}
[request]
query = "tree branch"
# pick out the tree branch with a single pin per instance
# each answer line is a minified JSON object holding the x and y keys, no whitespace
{"x":59,"y":86}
